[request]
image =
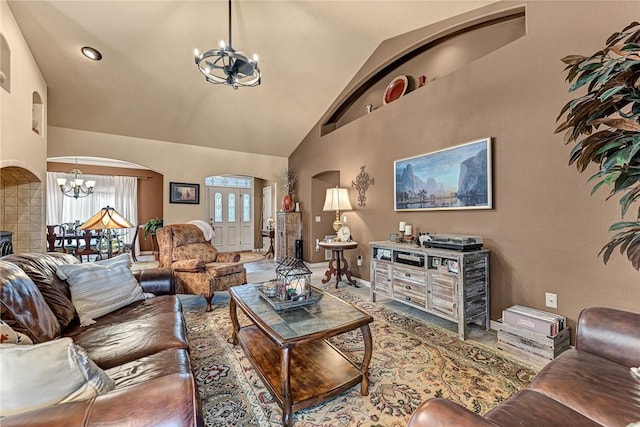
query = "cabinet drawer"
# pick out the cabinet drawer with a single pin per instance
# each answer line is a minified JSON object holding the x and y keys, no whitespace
{"x":411,"y":275}
{"x":382,"y":277}
{"x":410,"y":292}
{"x":443,"y":295}
{"x":382,"y":269}
{"x":382,"y":287}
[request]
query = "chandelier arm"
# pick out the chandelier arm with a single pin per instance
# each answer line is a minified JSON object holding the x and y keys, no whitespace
{"x":230,"y":44}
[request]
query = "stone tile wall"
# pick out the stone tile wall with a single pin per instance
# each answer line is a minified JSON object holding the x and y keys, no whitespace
{"x":22,"y":209}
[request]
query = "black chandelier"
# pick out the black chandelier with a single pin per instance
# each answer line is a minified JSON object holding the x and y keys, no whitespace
{"x":227,"y":66}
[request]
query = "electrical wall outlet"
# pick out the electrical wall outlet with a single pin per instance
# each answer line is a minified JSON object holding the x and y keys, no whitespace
{"x":344,"y":219}
{"x":551,"y":300}
{"x":317,"y":245}
{"x":318,"y":219}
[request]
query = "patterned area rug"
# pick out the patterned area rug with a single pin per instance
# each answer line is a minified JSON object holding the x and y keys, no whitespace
{"x":412,"y":361}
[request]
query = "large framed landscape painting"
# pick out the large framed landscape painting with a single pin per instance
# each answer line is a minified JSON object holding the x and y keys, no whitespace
{"x":453,"y":178}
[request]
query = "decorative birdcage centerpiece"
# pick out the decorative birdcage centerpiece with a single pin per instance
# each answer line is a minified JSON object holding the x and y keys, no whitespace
{"x":293,"y":280}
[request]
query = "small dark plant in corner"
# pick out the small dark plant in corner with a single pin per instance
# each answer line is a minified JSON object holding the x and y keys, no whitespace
{"x":151,"y":226}
{"x":605,"y":126}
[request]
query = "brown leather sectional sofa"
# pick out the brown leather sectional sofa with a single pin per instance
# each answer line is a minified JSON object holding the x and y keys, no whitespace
{"x":142,"y":346}
{"x":591,"y":385}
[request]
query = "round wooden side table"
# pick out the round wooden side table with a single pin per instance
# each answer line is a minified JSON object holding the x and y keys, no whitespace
{"x":338,"y":265}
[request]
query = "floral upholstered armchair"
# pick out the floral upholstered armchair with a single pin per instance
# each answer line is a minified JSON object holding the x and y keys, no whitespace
{"x":198,"y":268}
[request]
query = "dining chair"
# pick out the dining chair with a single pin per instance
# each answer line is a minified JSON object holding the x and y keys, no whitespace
{"x":88,"y":245}
{"x":55,"y":242}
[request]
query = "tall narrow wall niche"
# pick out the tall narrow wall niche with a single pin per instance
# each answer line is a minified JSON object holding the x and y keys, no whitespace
{"x":36,"y":113}
{"x":5,"y":64}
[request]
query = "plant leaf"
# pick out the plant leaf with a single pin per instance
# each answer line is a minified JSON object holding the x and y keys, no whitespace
{"x":622,"y":124}
{"x":573,"y":59}
{"x":610,"y":92}
{"x":624,"y":224}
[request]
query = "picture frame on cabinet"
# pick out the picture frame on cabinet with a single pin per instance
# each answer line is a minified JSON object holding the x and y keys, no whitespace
{"x":453,"y":266}
{"x":453,"y":178}
{"x":180,"y":192}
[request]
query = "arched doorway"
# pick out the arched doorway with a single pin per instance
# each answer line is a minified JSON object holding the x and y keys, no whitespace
{"x":149,"y":189}
{"x":318,"y":230}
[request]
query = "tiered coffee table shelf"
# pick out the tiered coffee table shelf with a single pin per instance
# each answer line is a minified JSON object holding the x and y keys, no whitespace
{"x":290,"y":351}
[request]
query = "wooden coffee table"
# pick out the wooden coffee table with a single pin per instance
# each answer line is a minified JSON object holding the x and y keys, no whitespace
{"x":290,"y":351}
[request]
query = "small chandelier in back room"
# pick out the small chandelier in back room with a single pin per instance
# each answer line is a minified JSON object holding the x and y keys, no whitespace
{"x":227,"y":66}
{"x":77,"y":186}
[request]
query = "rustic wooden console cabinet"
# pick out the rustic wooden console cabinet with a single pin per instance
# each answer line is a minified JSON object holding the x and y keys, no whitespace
{"x":450,"y":284}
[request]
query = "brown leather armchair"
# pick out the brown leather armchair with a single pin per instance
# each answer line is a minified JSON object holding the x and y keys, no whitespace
{"x":197,"y":266}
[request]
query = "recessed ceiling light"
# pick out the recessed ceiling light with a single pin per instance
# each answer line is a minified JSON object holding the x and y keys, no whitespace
{"x":91,"y":53}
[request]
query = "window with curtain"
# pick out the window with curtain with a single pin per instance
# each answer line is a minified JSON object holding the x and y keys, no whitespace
{"x":119,"y":192}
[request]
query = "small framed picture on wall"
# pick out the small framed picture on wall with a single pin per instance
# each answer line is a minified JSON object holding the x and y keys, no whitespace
{"x":180,"y":192}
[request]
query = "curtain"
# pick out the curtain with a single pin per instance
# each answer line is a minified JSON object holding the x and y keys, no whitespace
{"x":119,"y":192}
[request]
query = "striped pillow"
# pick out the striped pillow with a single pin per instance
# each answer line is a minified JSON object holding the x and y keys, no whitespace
{"x":116,"y":261}
{"x":98,"y":289}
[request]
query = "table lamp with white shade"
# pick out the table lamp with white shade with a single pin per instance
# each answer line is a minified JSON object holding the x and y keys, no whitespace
{"x":337,"y":199}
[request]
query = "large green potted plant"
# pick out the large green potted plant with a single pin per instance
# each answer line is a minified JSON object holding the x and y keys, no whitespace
{"x":150,"y":228}
{"x":604,"y":124}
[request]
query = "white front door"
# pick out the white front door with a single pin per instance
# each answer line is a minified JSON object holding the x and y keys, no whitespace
{"x":230,"y":212}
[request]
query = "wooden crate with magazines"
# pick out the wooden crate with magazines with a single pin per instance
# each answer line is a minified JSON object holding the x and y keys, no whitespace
{"x":531,"y":346}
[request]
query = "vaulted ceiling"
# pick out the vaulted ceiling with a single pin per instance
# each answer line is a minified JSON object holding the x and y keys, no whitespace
{"x":147,"y":84}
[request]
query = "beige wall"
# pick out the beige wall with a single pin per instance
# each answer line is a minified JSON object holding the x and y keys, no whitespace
{"x":545,"y":230}
{"x":23,"y":153}
{"x":176,"y":162}
{"x":18,"y":143}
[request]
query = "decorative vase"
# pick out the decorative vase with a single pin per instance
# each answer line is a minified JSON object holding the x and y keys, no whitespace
{"x":287,"y":203}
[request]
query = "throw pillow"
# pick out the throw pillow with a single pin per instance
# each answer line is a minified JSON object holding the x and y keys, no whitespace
{"x":9,"y":336}
{"x":41,"y":375}
{"x":98,"y":289}
{"x":116,"y":261}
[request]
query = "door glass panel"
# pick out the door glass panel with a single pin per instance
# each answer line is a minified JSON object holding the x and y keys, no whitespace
{"x":246,"y":208}
{"x":218,"y":207}
{"x":229,"y":181}
{"x":232,"y":207}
